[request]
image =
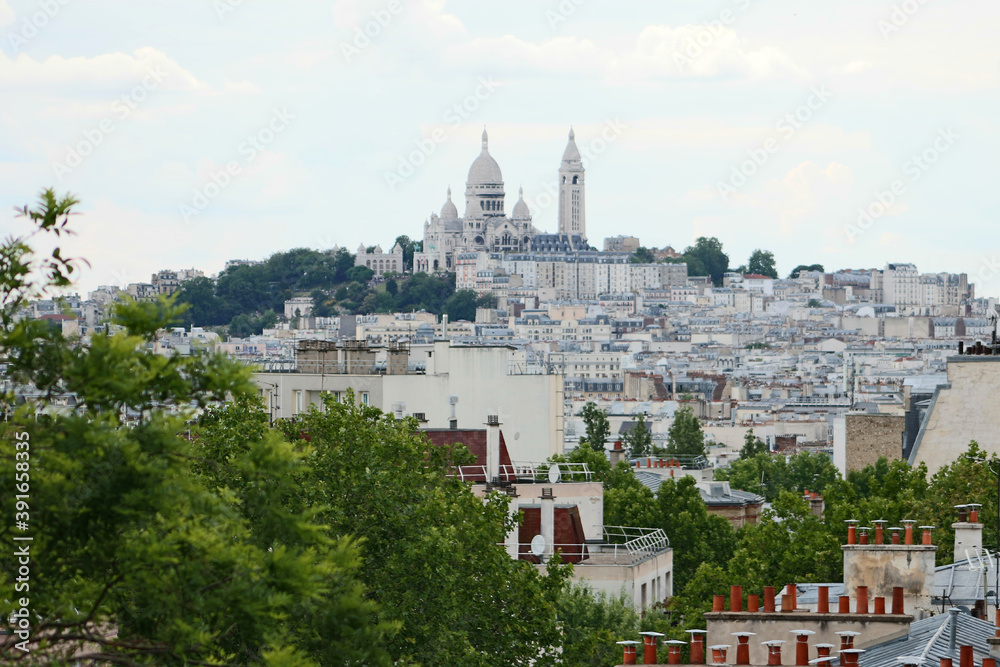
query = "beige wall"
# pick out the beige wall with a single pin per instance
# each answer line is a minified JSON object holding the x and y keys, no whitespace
{"x":958,"y":415}
{"x":883,"y":567}
{"x":775,"y":626}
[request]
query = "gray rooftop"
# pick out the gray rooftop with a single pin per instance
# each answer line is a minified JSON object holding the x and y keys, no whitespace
{"x":926,"y":641}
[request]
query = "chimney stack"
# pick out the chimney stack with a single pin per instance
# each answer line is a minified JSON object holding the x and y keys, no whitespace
{"x":966,"y":657}
{"x":908,"y":528}
{"x":802,"y":647}
{"x":736,"y":598}
{"x":718,"y":653}
{"x":492,"y":448}
{"x":674,"y":651}
{"x":847,"y":639}
{"x":743,"y":647}
{"x":879,"y":530}
{"x":697,"y":656}
{"x":823,"y":650}
{"x":852,"y":531}
{"x":773,"y":651}
{"x":968,"y":532}
{"x":649,"y":649}
{"x":926,"y":538}
{"x":823,"y":601}
{"x":629,"y":651}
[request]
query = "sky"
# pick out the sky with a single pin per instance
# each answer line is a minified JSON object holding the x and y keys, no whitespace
{"x":850,"y":134}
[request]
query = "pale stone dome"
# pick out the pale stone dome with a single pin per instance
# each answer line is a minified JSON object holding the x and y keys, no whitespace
{"x":521,"y":211}
{"x":485,"y":169}
{"x":449,"y":211}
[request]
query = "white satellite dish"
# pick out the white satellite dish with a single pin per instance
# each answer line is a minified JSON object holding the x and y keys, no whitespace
{"x":538,"y":545}
{"x":554,"y":474}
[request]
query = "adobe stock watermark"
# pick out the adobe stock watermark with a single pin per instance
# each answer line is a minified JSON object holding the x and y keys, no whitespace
{"x":589,"y":152}
{"x":899,"y":17}
{"x":424,"y":148}
{"x":562,"y":13}
{"x":30,"y":26}
{"x":371,"y":30}
{"x":224,"y":7}
{"x":250,"y":148}
{"x":122,"y":108}
{"x":786,"y":127}
{"x":707,"y":36}
{"x":913,"y":169}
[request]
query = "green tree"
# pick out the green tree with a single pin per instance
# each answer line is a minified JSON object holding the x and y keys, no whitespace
{"x":392,"y":287}
{"x":761,"y":262}
{"x":685,"y":437}
{"x":404,"y":242}
{"x":803,"y":267}
{"x":127,"y":535}
{"x":752,"y":445}
{"x":461,"y":306}
{"x":695,"y":535}
{"x":204,"y":308}
{"x":378,"y":479}
{"x":360,"y":274}
{"x":591,"y":624}
{"x":706,"y":258}
{"x":598,"y":428}
{"x":487,"y":301}
{"x":814,"y":303}
{"x":642,"y":255}
{"x":639,"y":440}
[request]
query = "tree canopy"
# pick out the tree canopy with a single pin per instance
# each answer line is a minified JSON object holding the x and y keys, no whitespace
{"x":761,"y":262}
{"x":685,"y":437}
{"x":706,"y":258}
{"x":598,"y":428}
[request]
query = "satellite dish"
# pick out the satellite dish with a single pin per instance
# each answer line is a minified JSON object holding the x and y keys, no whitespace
{"x":538,"y":545}
{"x":554,"y":474}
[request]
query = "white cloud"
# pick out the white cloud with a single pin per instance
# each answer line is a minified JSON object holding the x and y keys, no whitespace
{"x":656,"y":53}
{"x":6,"y":13}
{"x":95,"y":75}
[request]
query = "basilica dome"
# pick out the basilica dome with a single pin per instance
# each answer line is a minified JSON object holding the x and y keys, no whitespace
{"x":485,"y":170}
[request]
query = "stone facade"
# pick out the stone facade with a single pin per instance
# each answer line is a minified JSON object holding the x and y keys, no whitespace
{"x":869,"y":437}
{"x":959,"y":415}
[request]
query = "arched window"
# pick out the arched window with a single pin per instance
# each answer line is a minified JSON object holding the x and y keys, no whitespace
{"x":576,"y":180}
{"x":368,"y":264}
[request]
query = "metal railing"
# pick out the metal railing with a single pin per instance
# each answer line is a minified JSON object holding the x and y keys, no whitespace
{"x":637,"y":541}
{"x":637,"y":545}
{"x":524,"y":472}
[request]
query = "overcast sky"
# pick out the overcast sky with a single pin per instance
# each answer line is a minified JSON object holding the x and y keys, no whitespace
{"x":197,"y":131}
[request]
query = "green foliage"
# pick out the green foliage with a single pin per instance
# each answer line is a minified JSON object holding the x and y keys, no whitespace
{"x":598,"y":428}
{"x":706,"y":258}
{"x":814,"y":303}
{"x":205,"y":308}
{"x":803,"y":267}
{"x":461,"y":306}
{"x":642,"y":255}
{"x":130,"y":533}
{"x":248,"y":325}
{"x":752,"y":445}
{"x":761,"y":262}
{"x":591,"y":624}
{"x":431,"y":557}
{"x":770,"y":475}
{"x":685,"y":437}
{"x":487,"y":301}
{"x":639,"y":441}
{"x":695,"y":535}
{"x":360,"y":274}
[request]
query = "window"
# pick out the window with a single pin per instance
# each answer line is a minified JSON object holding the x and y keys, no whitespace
{"x":298,"y":402}
{"x":364,"y":398}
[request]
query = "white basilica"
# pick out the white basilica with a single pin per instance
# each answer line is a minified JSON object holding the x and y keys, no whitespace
{"x":486,"y":227}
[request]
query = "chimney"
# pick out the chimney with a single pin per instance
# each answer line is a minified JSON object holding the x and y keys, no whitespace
{"x":674,"y":651}
{"x":823,"y":650}
{"x":743,"y":647}
{"x":968,"y":532}
{"x":697,"y":656}
{"x":548,"y":520}
{"x":823,"y":600}
{"x":802,"y":646}
{"x":926,"y":537}
{"x":862,"y":603}
{"x":792,"y":591}
{"x":908,"y":528}
{"x":895,"y":530}
{"x":852,"y":531}
{"x":864,"y":534}
{"x":966,"y":657}
{"x":879,"y":530}
{"x":850,"y":656}
{"x":897,"y":600}
{"x":735,"y":598}
{"x":444,"y":326}
{"x":492,"y":448}
{"x":718,"y":653}
{"x":649,"y":648}
{"x":847,"y":639}
{"x":753,"y":602}
{"x":774,"y":651}
{"x":629,"y":651}
{"x":844,"y":604}
{"x":769,"y":599}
